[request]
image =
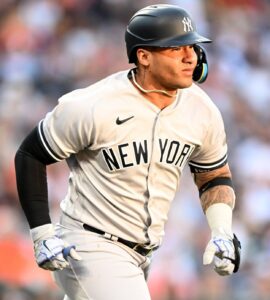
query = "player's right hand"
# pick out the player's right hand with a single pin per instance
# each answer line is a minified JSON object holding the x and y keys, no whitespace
{"x":52,"y":254}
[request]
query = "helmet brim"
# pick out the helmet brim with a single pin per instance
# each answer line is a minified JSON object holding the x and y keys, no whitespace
{"x":192,"y":38}
{"x":183,"y":40}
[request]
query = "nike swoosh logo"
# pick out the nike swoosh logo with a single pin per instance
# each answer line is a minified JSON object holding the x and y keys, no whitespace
{"x":119,"y":122}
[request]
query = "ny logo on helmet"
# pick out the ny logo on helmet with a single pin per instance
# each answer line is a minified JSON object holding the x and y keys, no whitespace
{"x":187,"y":24}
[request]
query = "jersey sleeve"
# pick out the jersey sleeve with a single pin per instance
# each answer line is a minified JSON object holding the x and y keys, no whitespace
{"x":67,"y":128}
{"x":212,"y":153}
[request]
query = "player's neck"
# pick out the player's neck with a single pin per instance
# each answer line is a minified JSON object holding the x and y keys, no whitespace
{"x":159,"y":97}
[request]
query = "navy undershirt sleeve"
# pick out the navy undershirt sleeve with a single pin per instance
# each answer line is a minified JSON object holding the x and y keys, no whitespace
{"x":31,"y":160}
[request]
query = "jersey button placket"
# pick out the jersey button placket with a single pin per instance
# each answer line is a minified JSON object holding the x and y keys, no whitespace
{"x":152,"y":173}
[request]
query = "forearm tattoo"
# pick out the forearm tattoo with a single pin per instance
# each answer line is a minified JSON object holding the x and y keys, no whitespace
{"x":218,"y":194}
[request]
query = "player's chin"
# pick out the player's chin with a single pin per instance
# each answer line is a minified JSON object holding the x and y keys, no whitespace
{"x":184,"y":79}
{"x":185,"y":83}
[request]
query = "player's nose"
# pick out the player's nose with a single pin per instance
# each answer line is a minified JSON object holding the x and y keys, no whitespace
{"x":189,"y":54}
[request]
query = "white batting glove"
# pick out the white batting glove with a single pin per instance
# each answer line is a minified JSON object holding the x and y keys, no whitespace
{"x":50,"y":251}
{"x":224,"y":248}
{"x":224,"y":251}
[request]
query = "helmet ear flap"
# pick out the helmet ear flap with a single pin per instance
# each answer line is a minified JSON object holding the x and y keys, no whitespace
{"x":201,"y":71}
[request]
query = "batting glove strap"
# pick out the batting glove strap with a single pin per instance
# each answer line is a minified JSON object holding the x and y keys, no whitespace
{"x":237,"y":249}
{"x":42,"y":232}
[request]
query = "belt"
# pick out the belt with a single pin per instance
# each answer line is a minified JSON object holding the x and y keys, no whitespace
{"x":135,"y":246}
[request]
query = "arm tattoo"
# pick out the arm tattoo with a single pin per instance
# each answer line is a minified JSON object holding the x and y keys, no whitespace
{"x":218,"y":194}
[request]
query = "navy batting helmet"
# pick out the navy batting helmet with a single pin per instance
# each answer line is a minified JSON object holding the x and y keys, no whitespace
{"x":165,"y":26}
{"x":161,"y":26}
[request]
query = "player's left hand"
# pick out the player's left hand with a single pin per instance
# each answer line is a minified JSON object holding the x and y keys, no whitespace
{"x":225,"y":252}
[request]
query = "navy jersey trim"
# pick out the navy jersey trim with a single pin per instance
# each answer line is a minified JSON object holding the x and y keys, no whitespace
{"x":206,"y":167}
{"x":46,"y":144}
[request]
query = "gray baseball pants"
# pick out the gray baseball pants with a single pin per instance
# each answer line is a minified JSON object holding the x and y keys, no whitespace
{"x":108,"y":270}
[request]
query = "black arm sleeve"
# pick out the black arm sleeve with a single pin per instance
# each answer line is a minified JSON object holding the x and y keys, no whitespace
{"x":30,"y":166}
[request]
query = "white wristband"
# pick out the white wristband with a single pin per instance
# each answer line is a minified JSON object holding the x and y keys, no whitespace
{"x":42,"y":232}
{"x":219,"y":218}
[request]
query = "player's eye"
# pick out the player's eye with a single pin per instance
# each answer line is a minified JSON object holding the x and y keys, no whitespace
{"x":176,"y":48}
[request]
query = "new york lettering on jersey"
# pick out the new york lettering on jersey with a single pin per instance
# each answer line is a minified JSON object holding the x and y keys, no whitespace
{"x":128,"y":154}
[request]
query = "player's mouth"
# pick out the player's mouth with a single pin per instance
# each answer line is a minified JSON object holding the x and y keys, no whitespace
{"x":188,"y":71}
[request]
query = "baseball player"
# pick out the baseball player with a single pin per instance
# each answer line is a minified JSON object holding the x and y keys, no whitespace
{"x":126,"y":140}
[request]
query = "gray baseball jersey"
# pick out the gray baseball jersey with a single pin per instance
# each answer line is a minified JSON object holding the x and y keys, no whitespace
{"x":126,"y":155}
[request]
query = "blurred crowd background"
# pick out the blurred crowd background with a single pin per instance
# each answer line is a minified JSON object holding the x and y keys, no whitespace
{"x":50,"y":47}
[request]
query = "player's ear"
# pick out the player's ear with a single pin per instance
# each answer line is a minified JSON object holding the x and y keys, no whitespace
{"x":143,"y":56}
